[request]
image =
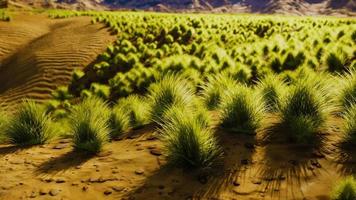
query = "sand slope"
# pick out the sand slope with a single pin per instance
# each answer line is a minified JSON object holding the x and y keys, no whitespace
{"x":38,"y":54}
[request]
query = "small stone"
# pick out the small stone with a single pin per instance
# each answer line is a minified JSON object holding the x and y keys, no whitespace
{"x":152,"y":137}
{"x":117,"y":188}
{"x":75,"y":184}
{"x":236,"y":183}
{"x":156,"y":152}
{"x":85,"y":188}
{"x":139,"y":172}
{"x":78,"y":167}
{"x":33,"y":194}
{"x":139,"y":149}
{"x":107,"y":192}
{"x":152,"y":147}
{"x":43,"y":192}
{"x":161,"y":187}
{"x":114,"y":171}
{"x":257,"y":182}
{"x":315,"y":163}
{"x":48,"y":180}
{"x":16,"y":162}
{"x":54,"y":192}
{"x":60,"y":180}
{"x":60,"y":146}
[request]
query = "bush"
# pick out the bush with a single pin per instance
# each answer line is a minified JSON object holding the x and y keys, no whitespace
{"x":344,"y":190}
{"x":171,"y":90}
{"x":305,"y":108}
{"x":119,"y":122}
{"x":242,"y":110}
{"x":136,"y":108}
{"x":3,"y":123}
{"x":188,"y":142}
{"x":90,"y":125}
{"x":272,"y":88}
{"x":30,"y":125}
{"x":214,"y":90}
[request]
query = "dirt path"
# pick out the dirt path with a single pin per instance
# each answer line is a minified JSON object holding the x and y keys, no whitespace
{"x":38,"y":54}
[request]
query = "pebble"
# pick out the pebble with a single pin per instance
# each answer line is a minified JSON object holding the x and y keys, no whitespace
{"x":139,"y":171}
{"x":33,"y":194}
{"x":117,"y":188}
{"x":107,"y":192}
{"x":315,"y":163}
{"x":257,"y":182}
{"x":244,"y":161}
{"x":156,"y":152}
{"x":60,"y":180}
{"x":43,"y":192}
{"x":60,"y":146}
{"x":236,"y":183}
{"x":54,"y":192}
{"x":85,"y":188}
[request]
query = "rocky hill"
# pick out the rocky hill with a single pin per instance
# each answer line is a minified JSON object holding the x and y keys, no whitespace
{"x":295,"y":7}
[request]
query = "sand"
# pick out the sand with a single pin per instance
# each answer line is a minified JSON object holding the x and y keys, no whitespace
{"x":38,"y":54}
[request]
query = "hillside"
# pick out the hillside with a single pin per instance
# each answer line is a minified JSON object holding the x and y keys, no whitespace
{"x":38,"y":54}
{"x":295,"y":7}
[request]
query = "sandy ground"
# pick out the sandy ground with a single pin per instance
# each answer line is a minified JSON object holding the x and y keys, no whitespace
{"x":134,"y":168}
{"x":37,"y":54}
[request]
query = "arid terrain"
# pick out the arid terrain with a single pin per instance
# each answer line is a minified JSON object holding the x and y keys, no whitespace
{"x":38,"y":54}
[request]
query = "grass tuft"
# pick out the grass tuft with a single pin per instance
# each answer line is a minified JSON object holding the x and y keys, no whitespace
{"x":189,"y":143}
{"x":349,"y":127}
{"x":272,"y":88}
{"x":344,"y":190}
{"x":214,"y":90}
{"x":136,"y":108}
{"x":242,"y":110}
{"x":305,"y":109}
{"x":90,"y":125}
{"x":171,"y":90}
{"x":120,"y":122}
{"x":30,"y":125}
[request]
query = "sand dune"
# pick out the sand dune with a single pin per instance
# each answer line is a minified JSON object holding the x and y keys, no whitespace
{"x":38,"y":54}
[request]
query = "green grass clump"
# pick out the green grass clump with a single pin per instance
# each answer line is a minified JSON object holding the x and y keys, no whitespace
{"x":305,"y":108}
{"x":120,"y":122}
{"x":189,"y":143}
{"x":171,"y":90}
{"x":136,"y":108}
{"x":215,"y":88}
{"x":90,"y":125}
{"x":272,"y":88}
{"x":4,"y":119}
{"x":344,"y":190}
{"x":242,"y":110}
{"x":30,"y":125}
{"x":347,"y":95}
{"x":349,"y":127}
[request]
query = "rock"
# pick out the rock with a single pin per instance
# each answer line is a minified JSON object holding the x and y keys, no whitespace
{"x":85,"y":188}
{"x":315,"y":163}
{"x":117,"y":188}
{"x":54,"y":192}
{"x":257,"y":182}
{"x":114,"y":171}
{"x":107,"y":192}
{"x":139,"y":149}
{"x":48,"y":180}
{"x":152,"y":147}
{"x":43,"y":192}
{"x":16,"y":162}
{"x":156,"y":152}
{"x":60,"y":180}
{"x":60,"y":146}
{"x":75,"y":184}
{"x":317,"y":154}
{"x":236,"y":183}
{"x":139,"y":171}
{"x":33,"y":194}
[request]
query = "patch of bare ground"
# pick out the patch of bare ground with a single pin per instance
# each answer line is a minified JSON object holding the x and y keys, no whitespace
{"x":38,"y":54}
{"x":135,"y":168}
